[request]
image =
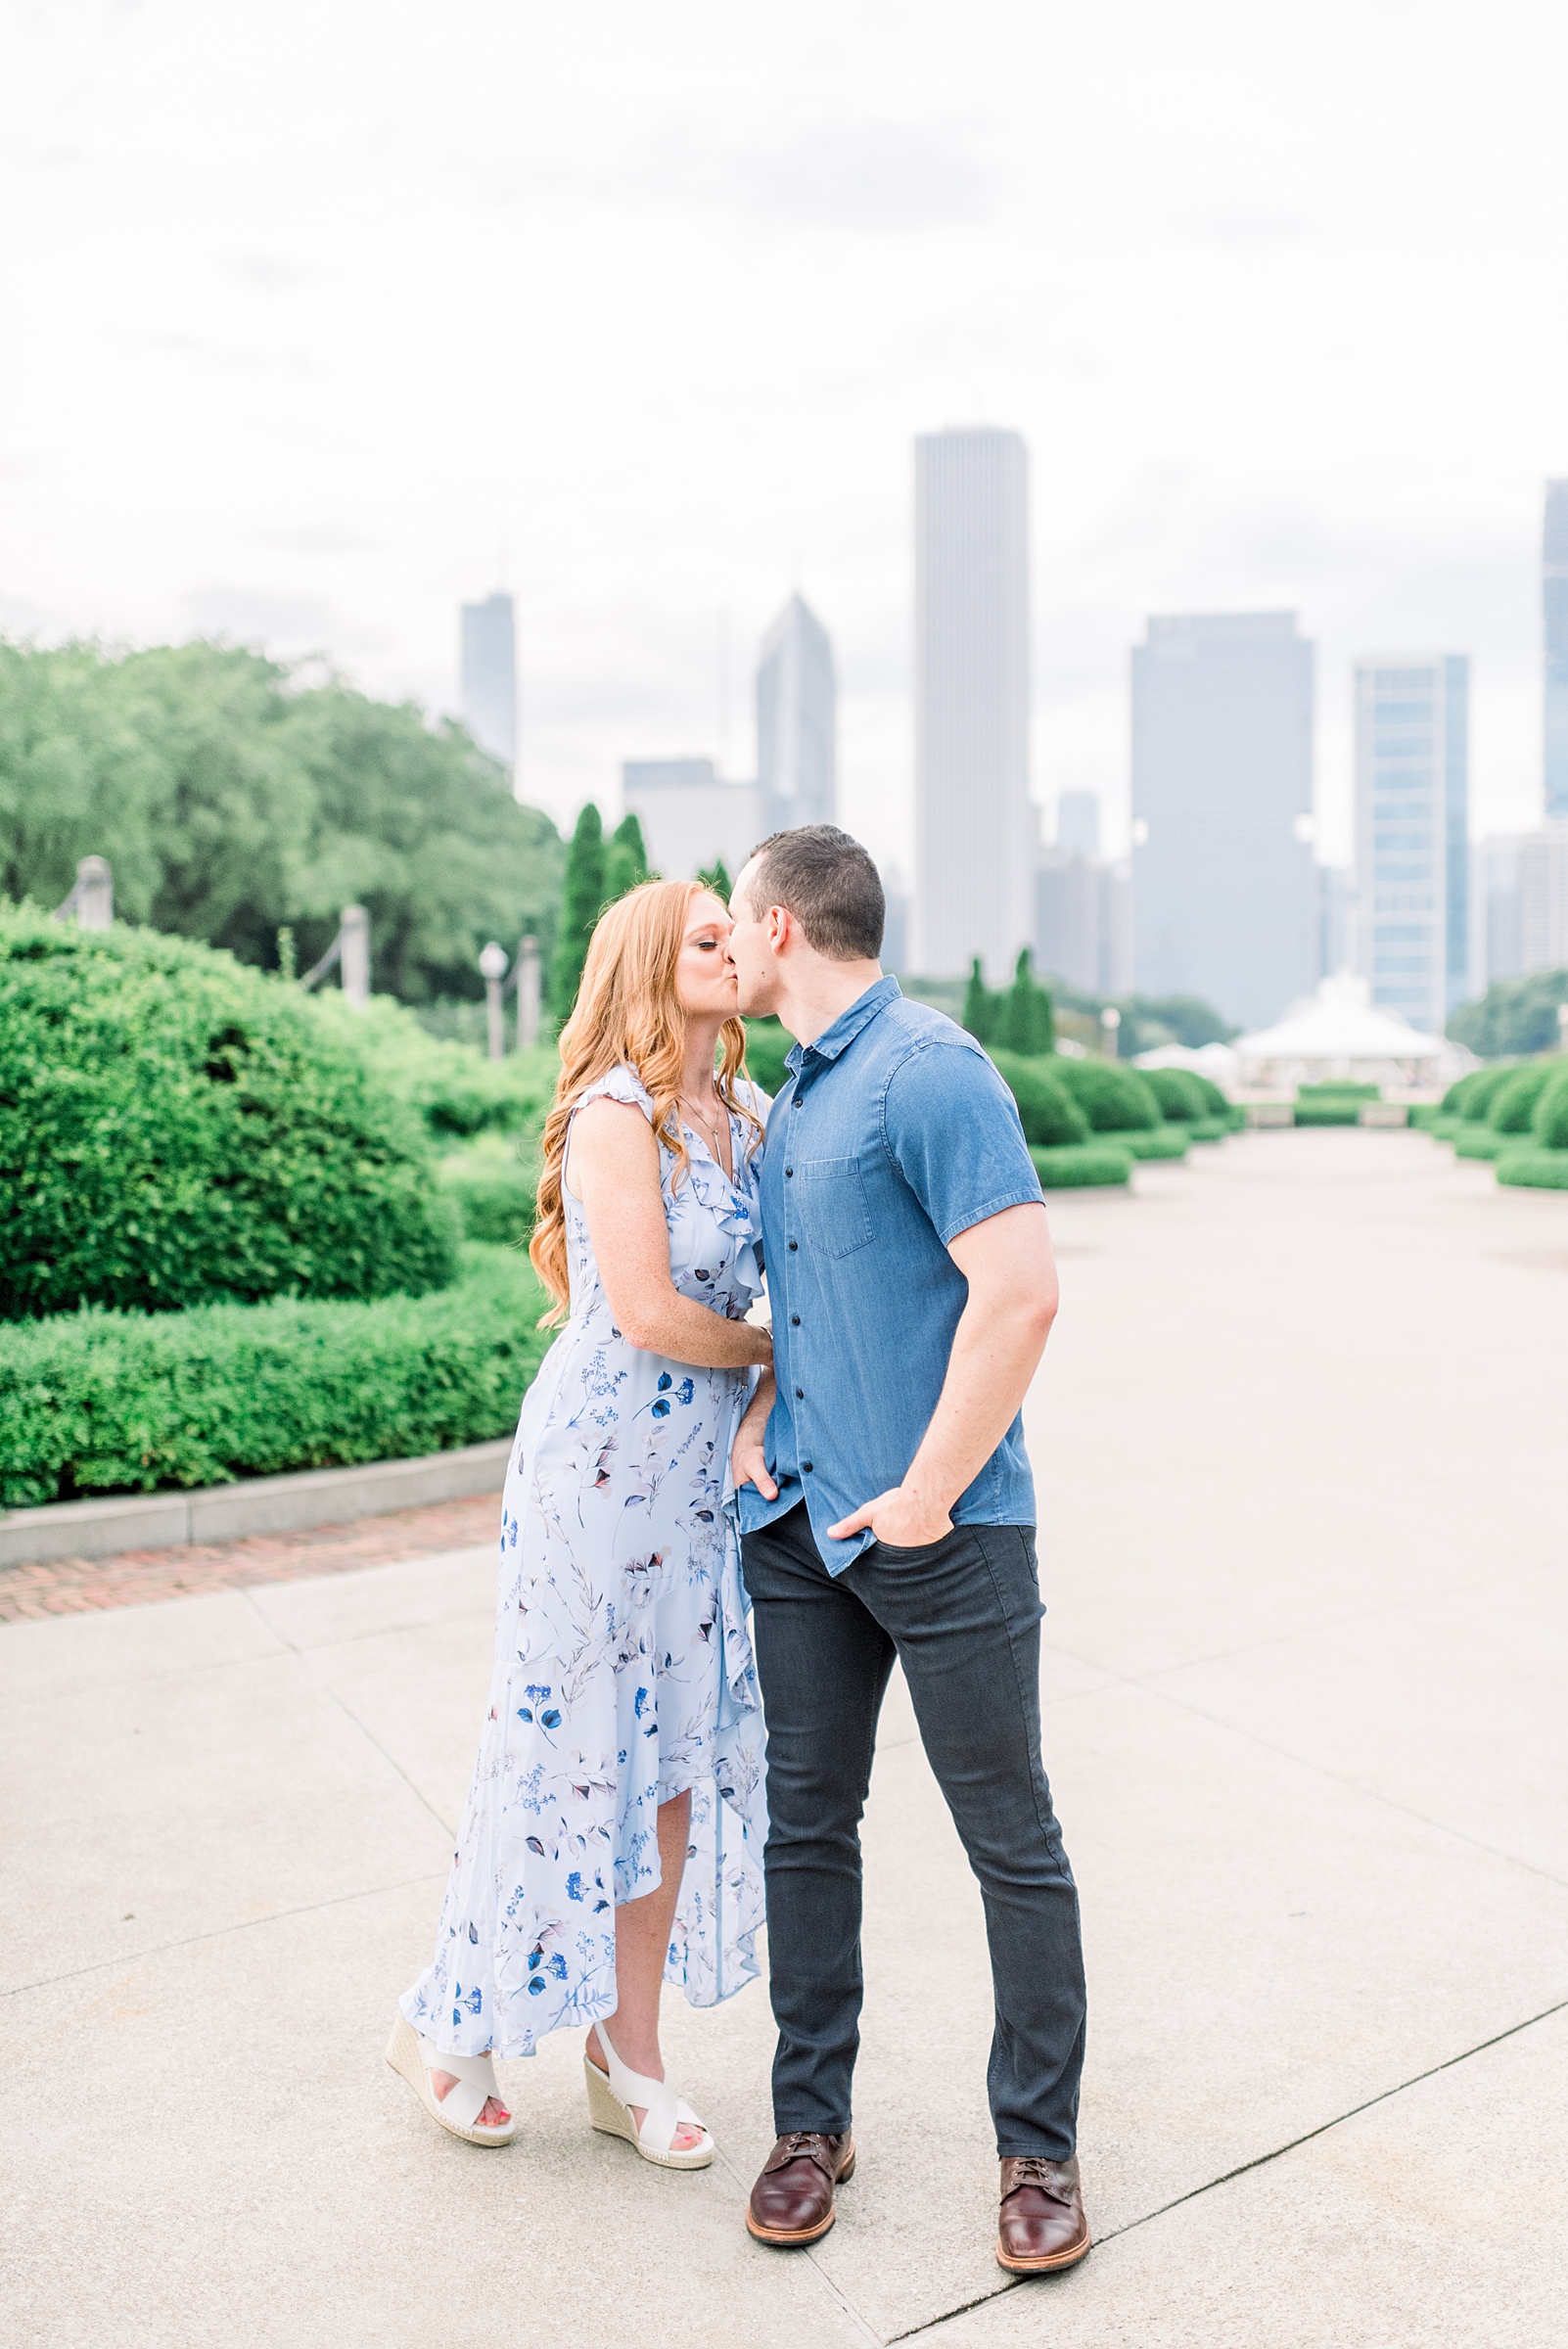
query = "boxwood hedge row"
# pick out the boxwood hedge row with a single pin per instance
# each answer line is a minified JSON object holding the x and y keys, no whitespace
{"x":96,"y":1403}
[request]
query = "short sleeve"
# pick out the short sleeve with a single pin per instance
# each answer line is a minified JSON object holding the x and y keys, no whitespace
{"x":620,"y":1084}
{"x":952,"y":1127}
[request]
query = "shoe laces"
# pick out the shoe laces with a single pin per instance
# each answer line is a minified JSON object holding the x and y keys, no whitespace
{"x":1036,"y":2169}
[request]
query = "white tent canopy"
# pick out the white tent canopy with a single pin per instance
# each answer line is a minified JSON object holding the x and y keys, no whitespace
{"x":1338,"y":1032}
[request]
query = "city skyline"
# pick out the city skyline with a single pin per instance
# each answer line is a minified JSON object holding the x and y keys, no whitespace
{"x":290,"y":456}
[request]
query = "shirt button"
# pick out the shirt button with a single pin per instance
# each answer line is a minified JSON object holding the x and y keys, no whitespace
{"x":795,"y":1320}
{"x":800,"y":1394}
{"x":795,"y":1103}
{"x":789,"y":1170}
{"x":805,"y":1467}
{"x":794,"y":1244}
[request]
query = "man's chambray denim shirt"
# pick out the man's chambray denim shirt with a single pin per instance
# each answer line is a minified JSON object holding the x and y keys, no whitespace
{"x":893,"y":1134}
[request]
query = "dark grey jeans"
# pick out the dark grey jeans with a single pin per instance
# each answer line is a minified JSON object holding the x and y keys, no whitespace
{"x":963,"y":1619}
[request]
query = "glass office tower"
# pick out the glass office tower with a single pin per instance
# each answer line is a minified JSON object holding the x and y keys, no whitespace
{"x":1554,"y":613}
{"x":1413,"y":851}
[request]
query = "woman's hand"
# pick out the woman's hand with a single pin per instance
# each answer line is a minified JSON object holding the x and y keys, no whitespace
{"x":748,"y":1459}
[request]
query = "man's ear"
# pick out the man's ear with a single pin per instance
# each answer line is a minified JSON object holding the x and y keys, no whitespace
{"x":780,"y":928}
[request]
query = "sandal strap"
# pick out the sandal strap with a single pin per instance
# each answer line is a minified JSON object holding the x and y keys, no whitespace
{"x":476,"y":2080}
{"x":662,"y":2109}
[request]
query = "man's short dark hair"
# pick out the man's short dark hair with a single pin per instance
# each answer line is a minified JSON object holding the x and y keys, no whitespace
{"x":830,"y":885}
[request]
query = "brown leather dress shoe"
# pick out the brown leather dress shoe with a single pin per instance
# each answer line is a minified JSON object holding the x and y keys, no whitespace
{"x":1043,"y":2224}
{"x":792,"y":2201}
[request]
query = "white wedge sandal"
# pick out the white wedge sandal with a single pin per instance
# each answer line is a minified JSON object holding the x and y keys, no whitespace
{"x":612,"y":2093}
{"x":459,"y":2109}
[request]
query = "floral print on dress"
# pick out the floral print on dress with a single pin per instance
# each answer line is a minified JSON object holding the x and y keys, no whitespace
{"x":623,"y":1671}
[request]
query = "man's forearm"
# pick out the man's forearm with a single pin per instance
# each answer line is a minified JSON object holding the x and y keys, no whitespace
{"x":996,"y":1353}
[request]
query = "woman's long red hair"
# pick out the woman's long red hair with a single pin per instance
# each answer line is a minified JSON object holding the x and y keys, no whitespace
{"x":628,"y":1010}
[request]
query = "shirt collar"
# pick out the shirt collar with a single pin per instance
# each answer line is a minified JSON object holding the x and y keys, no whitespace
{"x":847,"y":1027}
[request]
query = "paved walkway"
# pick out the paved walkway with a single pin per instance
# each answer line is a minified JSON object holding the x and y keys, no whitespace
{"x":1301,"y":1443}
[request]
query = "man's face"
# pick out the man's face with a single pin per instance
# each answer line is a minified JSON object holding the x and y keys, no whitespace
{"x":751,"y":950}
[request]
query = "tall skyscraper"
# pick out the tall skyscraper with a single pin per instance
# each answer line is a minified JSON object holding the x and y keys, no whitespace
{"x":490,"y":678}
{"x":691,"y":818}
{"x":1225,"y":891}
{"x":797,"y":706}
{"x":1554,"y":615}
{"x":974,"y":827}
{"x":1077,"y":824}
{"x":1413,"y":846}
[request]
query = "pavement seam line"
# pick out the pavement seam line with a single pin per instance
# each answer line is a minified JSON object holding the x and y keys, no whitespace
{"x":304,"y":1655}
{"x":1336,"y":1778}
{"x":243,"y":1925}
{"x":846,"y":2307}
{"x":1260,"y":2161}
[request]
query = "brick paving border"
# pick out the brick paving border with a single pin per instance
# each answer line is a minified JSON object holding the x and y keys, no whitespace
{"x":138,"y":1576}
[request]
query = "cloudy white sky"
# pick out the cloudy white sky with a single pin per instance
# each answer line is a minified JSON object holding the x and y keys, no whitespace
{"x":320,"y":318}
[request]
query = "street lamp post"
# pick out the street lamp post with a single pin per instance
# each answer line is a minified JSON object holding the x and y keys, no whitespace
{"x":493,"y":966}
{"x":1110,"y":1022}
{"x":528,"y":993}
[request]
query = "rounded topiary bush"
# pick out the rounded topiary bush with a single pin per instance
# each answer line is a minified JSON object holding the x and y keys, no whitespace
{"x":1513,"y":1105}
{"x":1550,"y":1122}
{"x":1050,"y":1118}
{"x":1482,"y":1087}
{"x":1180,"y":1095}
{"x":1114,"y":1098}
{"x":176,"y":1130}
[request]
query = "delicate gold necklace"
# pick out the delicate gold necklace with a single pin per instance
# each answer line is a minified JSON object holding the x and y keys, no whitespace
{"x":712,"y":1130}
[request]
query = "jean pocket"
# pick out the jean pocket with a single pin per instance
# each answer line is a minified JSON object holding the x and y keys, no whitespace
{"x":907,"y":1557}
{"x":835,"y":1214}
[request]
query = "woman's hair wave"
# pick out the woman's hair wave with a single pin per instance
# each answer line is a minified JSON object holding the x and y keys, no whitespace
{"x":628,"y":1011}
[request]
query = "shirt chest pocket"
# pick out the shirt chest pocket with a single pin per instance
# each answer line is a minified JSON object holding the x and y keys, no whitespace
{"x":830,"y":1196}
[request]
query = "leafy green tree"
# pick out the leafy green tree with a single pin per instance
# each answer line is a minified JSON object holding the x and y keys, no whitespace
{"x":1027,"y":1024}
{"x":982,"y":1011}
{"x":626,"y":859}
{"x":234,"y":799}
{"x":582,"y":904}
{"x":715,"y":877}
{"x":1514,"y":1017}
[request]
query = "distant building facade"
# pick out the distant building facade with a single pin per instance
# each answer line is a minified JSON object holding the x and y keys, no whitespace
{"x":974,"y":826}
{"x":1554,"y":618}
{"x":1082,"y":923}
{"x":1336,"y":893}
{"x":691,"y":818}
{"x":1412,"y":845}
{"x":1544,"y":897}
{"x":797,"y":721}
{"x":1077,"y":824}
{"x":490,"y":678}
{"x":1224,"y":890}
{"x":1496,"y":948}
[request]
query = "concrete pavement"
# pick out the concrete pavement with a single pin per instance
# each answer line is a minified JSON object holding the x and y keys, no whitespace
{"x":1303,"y":1531}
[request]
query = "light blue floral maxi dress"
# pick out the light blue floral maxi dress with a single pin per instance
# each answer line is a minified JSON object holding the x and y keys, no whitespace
{"x":623,"y":1670}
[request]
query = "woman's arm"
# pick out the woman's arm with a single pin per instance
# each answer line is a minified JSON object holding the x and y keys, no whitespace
{"x":613,"y":1166}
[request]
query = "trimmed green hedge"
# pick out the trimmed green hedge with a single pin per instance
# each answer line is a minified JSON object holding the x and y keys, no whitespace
{"x":495,"y":1188}
{"x":176,"y":1130}
{"x":1163,"y":1141}
{"x":1535,"y":1170}
{"x":1114,"y":1099}
{"x":1481,"y":1088}
{"x":1050,"y":1118}
{"x":1479,"y":1141}
{"x":1551,"y":1112}
{"x":1180,"y":1094}
{"x":1513,"y":1105}
{"x":1081,"y":1165}
{"x":98,"y":1402}
{"x":1337,"y":1089}
{"x":1329,"y":1112}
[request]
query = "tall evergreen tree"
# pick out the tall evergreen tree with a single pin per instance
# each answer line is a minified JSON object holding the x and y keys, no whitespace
{"x":627,"y":862}
{"x":581,"y":901}
{"x":1027,"y":1022}
{"x":713,"y":876}
{"x":981,"y":1007}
